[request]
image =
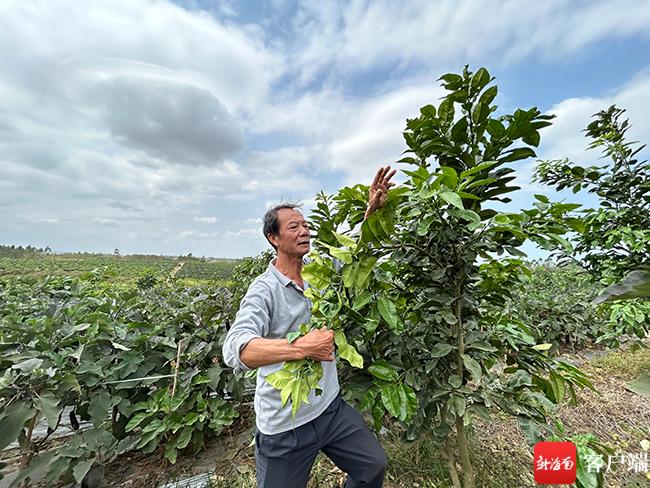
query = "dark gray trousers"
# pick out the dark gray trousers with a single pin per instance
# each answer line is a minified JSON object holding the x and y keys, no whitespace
{"x":284,"y":460}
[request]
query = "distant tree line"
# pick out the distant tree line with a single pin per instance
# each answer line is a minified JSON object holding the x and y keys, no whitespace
{"x":20,"y":251}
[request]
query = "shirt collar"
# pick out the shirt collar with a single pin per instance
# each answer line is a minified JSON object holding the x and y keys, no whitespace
{"x":284,"y":280}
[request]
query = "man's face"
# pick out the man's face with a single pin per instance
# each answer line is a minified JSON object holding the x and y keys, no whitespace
{"x":293,"y":238}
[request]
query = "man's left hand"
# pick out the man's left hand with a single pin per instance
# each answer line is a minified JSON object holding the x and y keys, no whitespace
{"x":379,"y":190}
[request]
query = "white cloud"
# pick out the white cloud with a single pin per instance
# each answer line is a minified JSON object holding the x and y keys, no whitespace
{"x":244,"y":233}
{"x":363,"y":34}
{"x":195,"y":235}
{"x":105,"y":221}
{"x":124,"y":85}
{"x":314,"y":115}
{"x":373,"y":137}
{"x":206,"y":220}
{"x":48,"y":221}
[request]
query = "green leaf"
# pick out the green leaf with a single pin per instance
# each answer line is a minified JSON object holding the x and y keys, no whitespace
{"x":136,"y":420}
{"x":348,"y":274}
{"x":576,"y":224}
{"x":635,"y":285}
{"x":285,"y":393}
{"x":345,"y":240}
{"x":48,"y":404}
{"x":451,"y":79}
{"x":530,"y":429}
{"x":408,"y":405}
{"x":347,"y":351}
{"x":341,"y":254}
{"x":495,"y":128}
{"x":299,"y":395}
{"x":517,"y":154}
{"x":520,"y":378}
{"x":458,"y":404}
{"x":69,"y":382}
{"x":28,"y":365}
{"x":423,"y":226}
{"x":532,"y":138}
{"x":369,"y":398}
{"x":365,"y":267}
{"x":489,"y":95}
{"x":120,"y":347}
{"x":640,"y":385}
{"x":390,"y":398}
{"x":292,"y":336}
{"x":473,"y":367}
{"x":440,"y":349}
{"x":479,"y":80}
{"x":214,"y":374}
{"x":386,"y":221}
{"x":383,"y":370}
{"x":482,"y":346}
{"x":472,"y":217}
{"x":317,"y":274}
{"x":452,"y":198}
{"x":37,"y":468}
{"x":184,"y":437}
{"x":557,"y":384}
{"x":459,"y":135}
{"x":361,"y":300}
{"x":171,"y":453}
{"x":481,"y":182}
{"x":478,"y":168}
{"x":586,"y":477}
{"x":428,"y":111}
{"x":99,"y":406}
{"x":81,"y":469}
{"x":283,"y":377}
{"x":481,"y":411}
{"x":330,"y":305}
{"x":388,"y":311}
{"x":455,"y":380}
{"x":13,"y":420}
{"x":446,"y":111}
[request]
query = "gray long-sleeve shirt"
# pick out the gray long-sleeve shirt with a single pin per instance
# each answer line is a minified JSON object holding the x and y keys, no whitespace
{"x":273,"y":306}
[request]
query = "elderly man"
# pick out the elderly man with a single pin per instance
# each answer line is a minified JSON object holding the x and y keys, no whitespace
{"x":274,"y":305}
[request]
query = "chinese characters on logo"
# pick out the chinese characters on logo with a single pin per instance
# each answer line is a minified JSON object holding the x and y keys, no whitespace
{"x":556,"y":462}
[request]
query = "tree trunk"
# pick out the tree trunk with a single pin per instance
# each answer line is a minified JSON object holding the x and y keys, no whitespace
{"x":463,"y":449}
{"x":461,"y":439}
{"x":451,"y":466}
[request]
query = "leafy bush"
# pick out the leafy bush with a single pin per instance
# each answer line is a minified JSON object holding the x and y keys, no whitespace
{"x":555,"y":302}
{"x":142,"y":365}
{"x":613,"y":240}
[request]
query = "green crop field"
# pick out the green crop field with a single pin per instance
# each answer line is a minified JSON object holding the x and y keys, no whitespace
{"x":120,"y":268}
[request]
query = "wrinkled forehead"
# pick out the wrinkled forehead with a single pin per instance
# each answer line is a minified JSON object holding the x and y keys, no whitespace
{"x":287,"y":216}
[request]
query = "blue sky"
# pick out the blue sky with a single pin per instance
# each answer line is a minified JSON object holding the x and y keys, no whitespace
{"x":169,"y":128}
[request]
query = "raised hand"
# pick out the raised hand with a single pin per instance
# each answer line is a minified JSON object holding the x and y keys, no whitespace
{"x":379,"y":189}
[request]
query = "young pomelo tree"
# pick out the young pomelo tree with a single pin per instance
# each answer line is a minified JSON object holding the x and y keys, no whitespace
{"x":423,"y":280}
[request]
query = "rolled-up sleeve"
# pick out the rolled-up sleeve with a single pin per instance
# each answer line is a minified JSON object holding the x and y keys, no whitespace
{"x":252,"y":321}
